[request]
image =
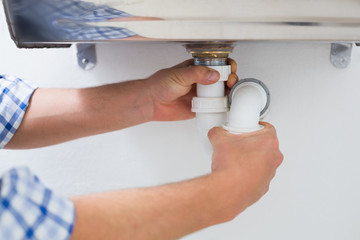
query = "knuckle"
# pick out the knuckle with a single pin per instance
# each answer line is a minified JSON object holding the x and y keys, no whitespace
{"x":280,"y":159}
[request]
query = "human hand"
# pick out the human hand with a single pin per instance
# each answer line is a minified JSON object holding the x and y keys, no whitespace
{"x":244,"y":165}
{"x":172,"y":89}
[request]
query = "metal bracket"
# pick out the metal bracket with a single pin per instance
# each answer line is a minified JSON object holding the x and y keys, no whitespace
{"x":340,"y":55}
{"x":86,"y":55}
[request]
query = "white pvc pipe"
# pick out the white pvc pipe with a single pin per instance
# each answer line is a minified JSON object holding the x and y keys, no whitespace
{"x":245,"y":108}
{"x":246,"y":105}
{"x":214,"y":90}
{"x":205,"y":122}
{"x":248,"y":99}
{"x":208,"y":119}
{"x":211,"y":105}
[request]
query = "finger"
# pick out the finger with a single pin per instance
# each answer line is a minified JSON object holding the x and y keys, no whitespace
{"x":266,"y":125}
{"x":268,"y":128}
{"x":227,"y":91}
{"x":186,"y":63}
{"x":232,"y":80}
{"x":213,"y":133}
{"x":233,"y":64}
{"x":195,"y":74}
{"x":216,"y":134}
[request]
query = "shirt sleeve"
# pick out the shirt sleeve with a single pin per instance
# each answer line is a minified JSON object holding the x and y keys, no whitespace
{"x":29,"y":210}
{"x":14,"y":98}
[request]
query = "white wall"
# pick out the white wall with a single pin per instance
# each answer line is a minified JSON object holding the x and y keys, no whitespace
{"x":316,"y":193}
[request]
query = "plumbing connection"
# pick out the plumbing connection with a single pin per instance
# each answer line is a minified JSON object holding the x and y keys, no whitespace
{"x":240,"y":112}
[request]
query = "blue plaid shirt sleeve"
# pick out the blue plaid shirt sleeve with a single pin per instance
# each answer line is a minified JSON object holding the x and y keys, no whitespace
{"x":29,"y":210}
{"x":14,"y":98}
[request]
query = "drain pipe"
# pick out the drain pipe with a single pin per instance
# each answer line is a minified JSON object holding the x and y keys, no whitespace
{"x":249,"y":99}
{"x":211,"y":104}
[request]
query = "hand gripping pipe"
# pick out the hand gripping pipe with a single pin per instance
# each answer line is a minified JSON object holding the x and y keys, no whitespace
{"x":211,"y":105}
{"x":249,"y":99}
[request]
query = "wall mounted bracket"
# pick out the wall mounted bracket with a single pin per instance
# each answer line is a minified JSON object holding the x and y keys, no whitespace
{"x":86,"y":55}
{"x":340,"y":55}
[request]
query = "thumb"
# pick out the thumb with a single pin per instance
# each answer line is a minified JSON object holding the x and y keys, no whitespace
{"x":196,"y":74}
{"x":217,"y":134}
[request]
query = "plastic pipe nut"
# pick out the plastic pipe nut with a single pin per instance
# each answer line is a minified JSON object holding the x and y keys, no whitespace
{"x":210,"y":105}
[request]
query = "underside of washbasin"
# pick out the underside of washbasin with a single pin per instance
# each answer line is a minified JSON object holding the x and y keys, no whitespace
{"x":60,"y":22}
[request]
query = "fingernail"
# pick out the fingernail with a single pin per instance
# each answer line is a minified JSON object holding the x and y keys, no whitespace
{"x":213,"y":75}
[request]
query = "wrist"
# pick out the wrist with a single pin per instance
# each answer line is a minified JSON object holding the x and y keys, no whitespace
{"x":145,"y":88}
{"x":147,"y":103}
{"x":231,"y":196}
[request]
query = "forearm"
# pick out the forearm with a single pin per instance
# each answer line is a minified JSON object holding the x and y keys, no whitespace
{"x":59,"y":115}
{"x":243,"y":166}
{"x":158,"y":213}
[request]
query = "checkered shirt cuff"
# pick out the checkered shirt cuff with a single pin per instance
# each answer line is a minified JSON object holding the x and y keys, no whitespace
{"x":29,"y":210}
{"x":14,"y":98}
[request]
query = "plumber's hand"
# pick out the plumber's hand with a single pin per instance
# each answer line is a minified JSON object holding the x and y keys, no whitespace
{"x":244,"y":164}
{"x":172,"y":89}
